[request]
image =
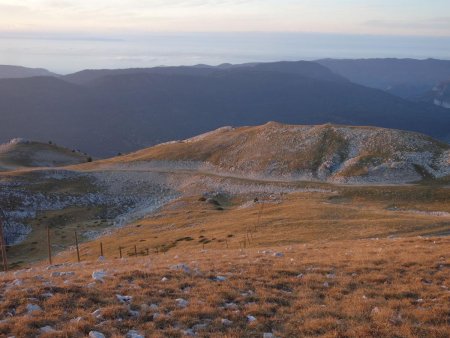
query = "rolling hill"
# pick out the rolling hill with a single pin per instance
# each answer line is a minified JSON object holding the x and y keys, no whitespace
{"x":325,"y":152}
{"x":106,"y":112}
{"x":19,"y":153}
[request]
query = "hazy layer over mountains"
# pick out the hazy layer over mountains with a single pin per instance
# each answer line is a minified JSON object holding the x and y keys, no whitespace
{"x":104,"y":112}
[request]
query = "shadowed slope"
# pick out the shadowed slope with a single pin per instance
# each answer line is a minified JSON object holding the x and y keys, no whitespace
{"x":19,"y":153}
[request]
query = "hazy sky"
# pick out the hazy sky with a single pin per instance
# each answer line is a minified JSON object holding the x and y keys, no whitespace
{"x":385,"y":17}
{"x":69,"y":35}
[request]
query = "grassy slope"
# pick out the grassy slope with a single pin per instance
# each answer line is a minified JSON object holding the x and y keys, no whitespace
{"x":35,"y":154}
{"x":345,"y":212}
{"x":352,"y":285}
{"x":279,"y":149}
{"x":352,"y":213}
{"x":362,"y":288}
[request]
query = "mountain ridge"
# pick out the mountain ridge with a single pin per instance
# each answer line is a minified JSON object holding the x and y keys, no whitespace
{"x":130,"y":111}
{"x":14,"y":72}
{"x":333,"y":153}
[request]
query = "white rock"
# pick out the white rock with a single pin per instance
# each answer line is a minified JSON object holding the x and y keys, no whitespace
{"x":124,"y":299}
{"x":182,"y":267}
{"x":47,"y":329}
{"x":164,"y":279}
{"x":33,"y":308}
{"x":268,"y":335}
{"x":300,"y":275}
{"x":198,"y":327}
{"x":220,"y":278}
{"x":62,"y":274}
{"x":134,"y":313}
{"x":97,"y":314}
{"x":47,"y":295}
{"x":189,"y":333}
{"x":251,"y":319}
{"x":17,"y":282}
{"x":181,"y":302}
{"x":226,"y":322}
{"x":231,"y":306}
{"x":99,"y":275}
{"x":134,"y":334}
{"x":326,"y":285}
{"x":96,"y":334}
{"x":76,"y":320}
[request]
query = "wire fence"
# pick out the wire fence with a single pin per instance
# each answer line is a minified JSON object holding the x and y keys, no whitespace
{"x":133,"y":250}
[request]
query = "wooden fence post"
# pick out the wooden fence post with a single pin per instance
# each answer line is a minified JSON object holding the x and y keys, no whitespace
{"x":3,"y":249}
{"x":135,"y":250}
{"x":101,"y":249}
{"x":259,"y":215}
{"x":76,"y":244}
{"x":49,"y":246}
{"x":120,"y":251}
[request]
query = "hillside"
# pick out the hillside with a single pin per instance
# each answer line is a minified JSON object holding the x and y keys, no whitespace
{"x":364,"y":288}
{"x":324,"y":152}
{"x":14,"y":72}
{"x":440,"y":95}
{"x":406,"y":78}
{"x":107,"y":112}
{"x":20,"y":153}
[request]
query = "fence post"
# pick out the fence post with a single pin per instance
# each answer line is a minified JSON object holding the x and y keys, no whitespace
{"x":101,"y":249}
{"x":259,"y":215}
{"x":49,"y":246}
{"x":120,"y":251}
{"x":135,"y":250}
{"x":76,"y":244}
{"x":3,"y":244}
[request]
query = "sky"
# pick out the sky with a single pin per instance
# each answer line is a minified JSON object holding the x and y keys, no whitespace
{"x":66,"y":35}
{"x":390,"y":17}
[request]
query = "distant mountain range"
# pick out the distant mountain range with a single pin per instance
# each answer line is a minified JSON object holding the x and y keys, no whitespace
{"x":15,"y":72}
{"x":104,"y":112}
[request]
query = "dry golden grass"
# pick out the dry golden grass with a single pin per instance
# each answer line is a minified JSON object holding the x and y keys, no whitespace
{"x":352,"y":213}
{"x":352,"y":265}
{"x":348,"y":288}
